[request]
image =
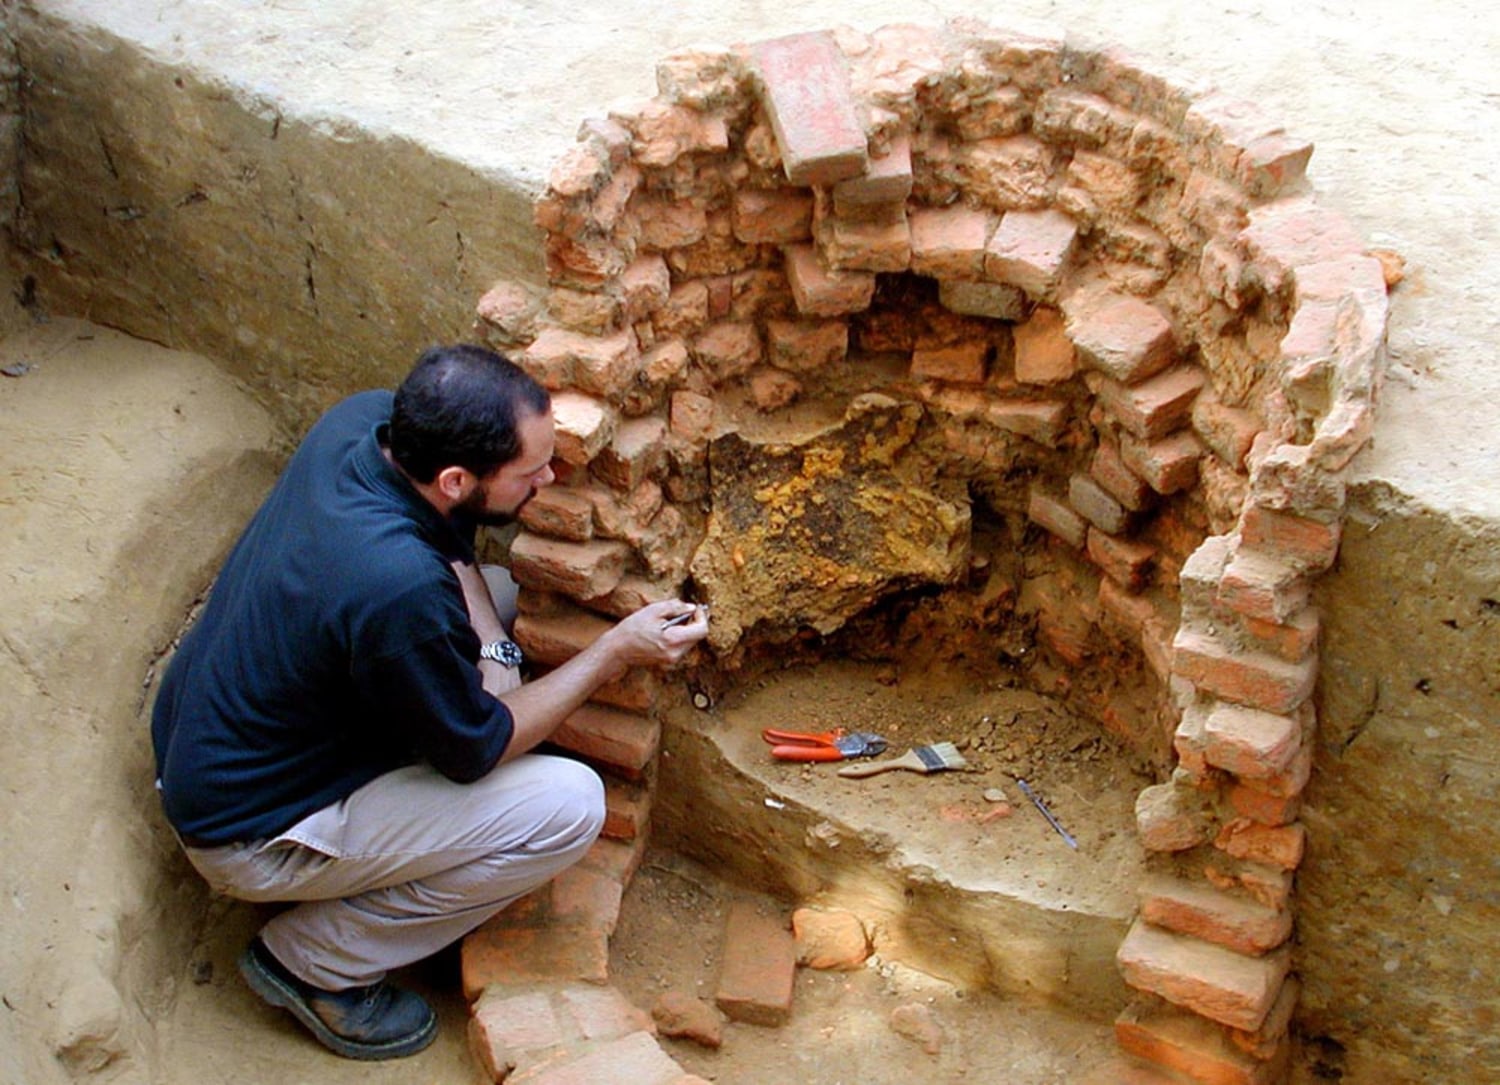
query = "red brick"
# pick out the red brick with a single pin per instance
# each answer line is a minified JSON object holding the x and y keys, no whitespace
{"x":603,"y":1013}
{"x":669,"y":224}
{"x":948,"y":242}
{"x":1275,"y":845}
{"x":1214,"y":982}
{"x":664,"y":362}
{"x":560,"y":513}
{"x":1126,"y":562}
{"x":994,"y":301}
{"x":1311,"y":544}
{"x":1251,"y":679}
{"x":1228,"y":431}
{"x":1262,"y":586}
{"x":1044,"y":353}
{"x":585,"y":311}
{"x":961,"y":364}
{"x":580,"y":570}
{"x":865,"y":245}
{"x":503,"y":1026}
{"x":1109,"y":182}
{"x":1271,"y":1039}
{"x":619,"y":859}
{"x":1044,"y":421}
{"x":1078,"y":116}
{"x":819,"y":291}
{"x":1124,"y":485}
{"x":727,"y":349}
{"x":758,"y":966}
{"x":582,"y":426}
{"x":804,"y":345}
{"x":627,"y":808}
{"x":636,"y":1058}
{"x":773,"y":389}
{"x":1294,"y":640}
{"x":1251,"y":743}
{"x":1262,"y":807}
{"x":887,"y":180}
{"x":1169,"y":819}
{"x":1234,"y":922}
{"x":1155,"y":407}
{"x":692,"y":416}
{"x":512,"y":310}
{"x":664,"y":132}
{"x":1188,"y":1044}
{"x":685,"y":312}
{"x":1289,"y":233}
{"x":635,"y":454}
{"x":1031,"y":249}
{"x":1057,"y":517}
{"x":644,"y":287}
{"x":772,"y":216}
{"x":500,"y":955}
{"x":599,"y":365}
{"x":586,"y":897}
{"x":1169,"y":464}
{"x":1096,"y":505}
{"x":1011,"y":172}
{"x":804,"y":86}
{"x":1121,"y":336}
{"x":622,"y":741}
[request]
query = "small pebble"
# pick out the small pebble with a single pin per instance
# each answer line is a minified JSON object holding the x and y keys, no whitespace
{"x":994,"y":794}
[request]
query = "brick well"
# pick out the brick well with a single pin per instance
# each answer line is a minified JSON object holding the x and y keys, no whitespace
{"x":1123,"y":323}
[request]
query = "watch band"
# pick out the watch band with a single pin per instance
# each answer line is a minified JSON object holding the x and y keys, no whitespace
{"x":506,"y":652}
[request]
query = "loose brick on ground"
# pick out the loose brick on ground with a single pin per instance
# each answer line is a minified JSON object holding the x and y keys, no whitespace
{"x":758,"y":966}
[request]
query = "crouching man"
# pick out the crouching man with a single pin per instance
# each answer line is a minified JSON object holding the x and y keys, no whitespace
{"x":345,"y":726}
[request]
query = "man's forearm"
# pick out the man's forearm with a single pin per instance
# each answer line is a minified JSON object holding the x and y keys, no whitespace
{"x":539,"y":707}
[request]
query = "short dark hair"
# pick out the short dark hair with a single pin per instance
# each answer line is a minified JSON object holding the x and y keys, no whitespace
{"x":459,"y":407}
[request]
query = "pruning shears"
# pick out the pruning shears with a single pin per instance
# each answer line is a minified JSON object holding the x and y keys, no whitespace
{"x":835,"y":745}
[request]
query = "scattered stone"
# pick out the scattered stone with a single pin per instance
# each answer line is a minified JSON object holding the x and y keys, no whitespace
{"x":832,"y":939}
{"x":681,"y":1015}
{"x":918,"y":1024}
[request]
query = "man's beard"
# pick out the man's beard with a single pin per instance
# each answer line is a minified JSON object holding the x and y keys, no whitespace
{"x":473,"y":509}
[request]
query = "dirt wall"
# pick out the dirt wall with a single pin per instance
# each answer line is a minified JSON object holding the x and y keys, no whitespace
{"x":1399,"y":917}
{"x":307,"y":256}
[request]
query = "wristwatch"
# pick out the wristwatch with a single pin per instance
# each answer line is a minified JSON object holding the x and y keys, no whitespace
{"x":507,"y":652}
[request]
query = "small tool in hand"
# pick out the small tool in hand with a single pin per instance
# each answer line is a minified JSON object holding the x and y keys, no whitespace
{"x":1040,"y":805}
{"x":835,"y":745}
{"x":938,"y":757}
{"x":684,"y":618}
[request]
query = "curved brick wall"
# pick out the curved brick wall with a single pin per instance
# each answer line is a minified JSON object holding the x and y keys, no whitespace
{"x":1180,"y":346}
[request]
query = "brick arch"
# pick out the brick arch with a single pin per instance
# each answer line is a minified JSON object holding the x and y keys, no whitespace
{"x":1188,"y":342}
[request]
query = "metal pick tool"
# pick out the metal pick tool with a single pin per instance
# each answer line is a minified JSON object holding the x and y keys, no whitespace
{"x":1040,"y":805}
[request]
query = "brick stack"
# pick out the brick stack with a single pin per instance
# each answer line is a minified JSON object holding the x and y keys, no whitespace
{"x":1144,"y":316}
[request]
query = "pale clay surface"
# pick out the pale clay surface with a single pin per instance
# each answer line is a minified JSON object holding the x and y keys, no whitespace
{"x":1394,"y":97}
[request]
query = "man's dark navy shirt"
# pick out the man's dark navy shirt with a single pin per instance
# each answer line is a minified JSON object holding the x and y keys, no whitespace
{"x":334,"y":647}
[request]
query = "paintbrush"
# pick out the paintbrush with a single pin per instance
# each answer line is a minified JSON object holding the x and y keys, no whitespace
{"x":938,"y":757}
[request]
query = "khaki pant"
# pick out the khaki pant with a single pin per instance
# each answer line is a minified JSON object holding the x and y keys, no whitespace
{"x":409,"y":863}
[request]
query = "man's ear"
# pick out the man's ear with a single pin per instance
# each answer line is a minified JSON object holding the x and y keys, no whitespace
{"x":454,"y":483}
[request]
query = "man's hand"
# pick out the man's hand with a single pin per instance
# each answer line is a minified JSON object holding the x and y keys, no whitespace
{"x":497,"y":678}
{"x":659,"y":634}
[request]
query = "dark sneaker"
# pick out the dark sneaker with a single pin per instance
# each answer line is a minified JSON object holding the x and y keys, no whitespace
{"x":376,"y":1022}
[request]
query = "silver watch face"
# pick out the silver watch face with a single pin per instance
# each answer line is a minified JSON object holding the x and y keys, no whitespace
{"x":507,"y":652}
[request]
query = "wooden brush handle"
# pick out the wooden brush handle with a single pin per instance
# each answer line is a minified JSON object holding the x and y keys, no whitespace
{"x":907,"y":760}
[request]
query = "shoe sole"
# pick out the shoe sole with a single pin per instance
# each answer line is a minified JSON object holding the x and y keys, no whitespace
{"x":277,"y":993}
